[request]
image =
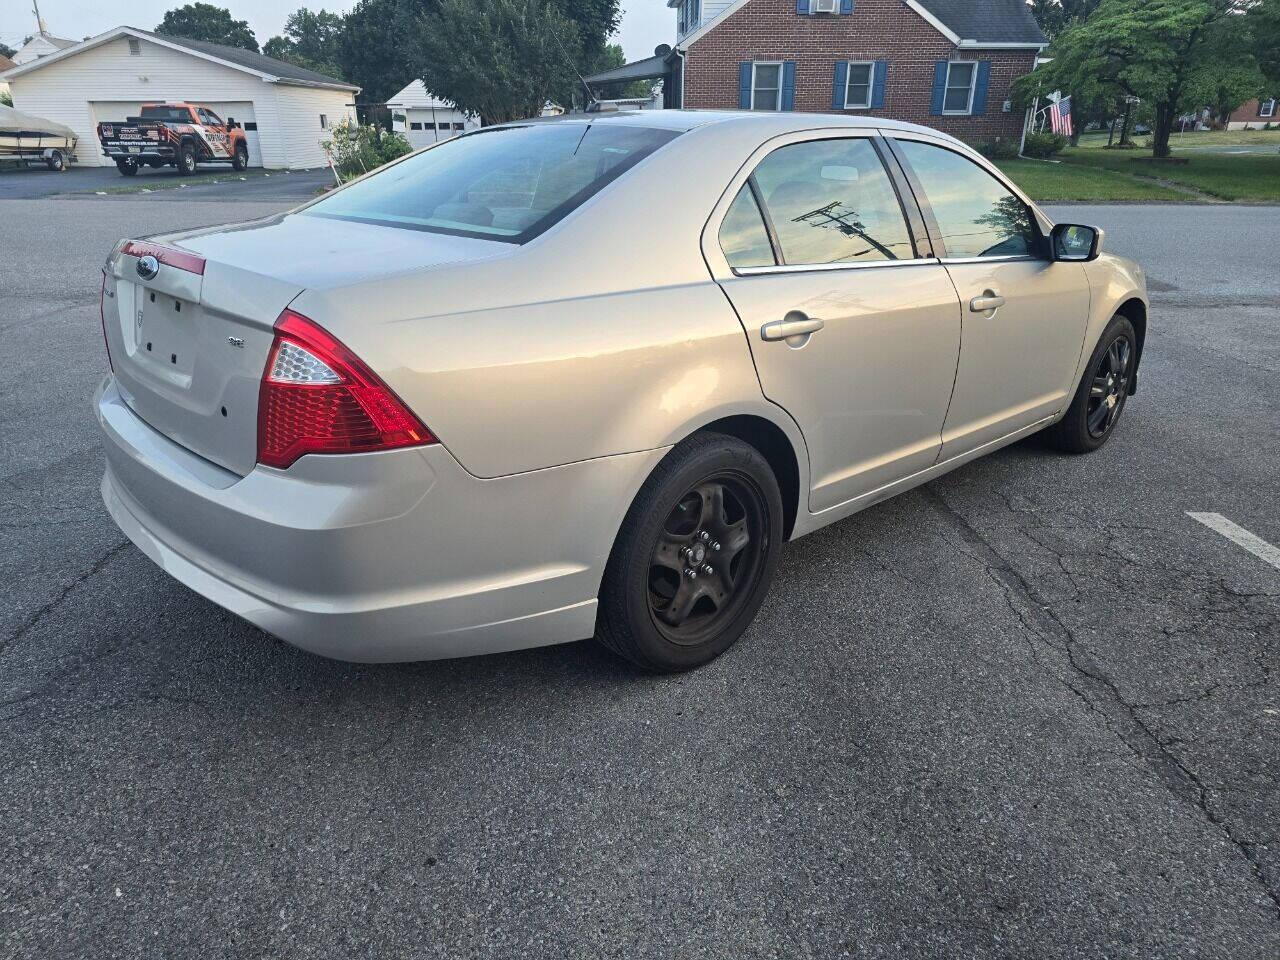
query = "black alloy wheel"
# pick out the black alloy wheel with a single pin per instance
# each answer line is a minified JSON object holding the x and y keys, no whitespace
{"x":708,"y":558}
{"x":694,"y":557}
{"x":1100,"y":398}
{"x":1109,"y":388}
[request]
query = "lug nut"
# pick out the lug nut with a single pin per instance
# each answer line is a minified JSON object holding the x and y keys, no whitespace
{"x":691,"y":574}
{"x":707,"y":569}
{"x":715,"y":545}
{"x":704,"y":535}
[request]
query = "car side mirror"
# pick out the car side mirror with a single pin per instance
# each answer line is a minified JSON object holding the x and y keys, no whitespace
{"x":1076,"y":243}
{"x":231,"y":123}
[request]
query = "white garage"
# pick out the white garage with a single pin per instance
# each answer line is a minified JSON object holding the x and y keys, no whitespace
{"x":286,"y":111}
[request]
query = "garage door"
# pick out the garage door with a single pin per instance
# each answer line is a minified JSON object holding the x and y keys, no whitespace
{"x":239,"y":110}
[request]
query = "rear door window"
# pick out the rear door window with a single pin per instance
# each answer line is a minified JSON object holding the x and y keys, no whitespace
{"x":831,"y":201}
{"x":504,"y":183}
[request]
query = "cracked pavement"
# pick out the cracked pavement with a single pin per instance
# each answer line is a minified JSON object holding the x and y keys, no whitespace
{"x":1029,"y":710}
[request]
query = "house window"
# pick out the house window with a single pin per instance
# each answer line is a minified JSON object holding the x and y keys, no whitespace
{"x":766,"y":86}
{"x":415,"y":125}
{"x":688,"y":15}
{"x":1267,"y":108}
{"x":457,"y":126}
{"x":857,"y":92}
{"x":959,"y":95}
{"x":135,"y":47}
{"x":324,"y":122}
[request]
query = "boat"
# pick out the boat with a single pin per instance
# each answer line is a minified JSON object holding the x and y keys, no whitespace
{"x":29,"y":139}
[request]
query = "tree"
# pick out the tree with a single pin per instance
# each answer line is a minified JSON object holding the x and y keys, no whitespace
{"x":385,"y":43}
{"x":311,"y":40}
{"x":204,"y":21}
{"x":500,"y":59}
{"x":1054,"y":16}
{"x":6,"y":50}
{"x":1264,"y":24}
{"x":376,"y":48}
{"x":1173,"y":55}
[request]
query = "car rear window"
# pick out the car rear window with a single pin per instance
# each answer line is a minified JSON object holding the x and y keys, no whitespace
{"x":505,"y":183}
{"x":171,"y":114}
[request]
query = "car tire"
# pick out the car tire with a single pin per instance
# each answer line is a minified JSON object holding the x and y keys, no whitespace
{"x":716,"y":497}
{"x":187,"y":160}
{"x":240,"y":159}
{"x":1099,"y":401}
{"x":57,"y":162}
{"x":128,"y":168}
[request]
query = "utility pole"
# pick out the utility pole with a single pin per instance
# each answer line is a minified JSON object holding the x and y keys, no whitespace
{"x":40,"y":24}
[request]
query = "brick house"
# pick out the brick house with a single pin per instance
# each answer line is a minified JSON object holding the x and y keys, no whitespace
{"x":1257,"y":113}
{"x":944,"y":63}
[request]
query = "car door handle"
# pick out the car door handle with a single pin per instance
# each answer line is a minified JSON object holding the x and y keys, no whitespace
{"x":795,"y":328}
{"x":990,"y":300}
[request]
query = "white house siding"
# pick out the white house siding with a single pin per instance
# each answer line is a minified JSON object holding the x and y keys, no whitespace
{"x":67,"y":90}
{"x":298,"y":120}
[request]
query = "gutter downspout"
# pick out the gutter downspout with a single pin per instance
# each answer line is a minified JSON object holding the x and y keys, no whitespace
{"x":680,"y":53}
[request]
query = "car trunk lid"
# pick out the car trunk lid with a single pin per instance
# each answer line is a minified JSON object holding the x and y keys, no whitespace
{"x":189,"y":344}
{"x":188,"y":340}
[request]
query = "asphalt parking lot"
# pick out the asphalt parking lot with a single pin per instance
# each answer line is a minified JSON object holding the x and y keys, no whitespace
{"x":1029,"y":710}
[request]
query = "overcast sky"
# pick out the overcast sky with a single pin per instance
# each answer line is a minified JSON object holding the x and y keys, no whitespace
{"x":645,"y":23}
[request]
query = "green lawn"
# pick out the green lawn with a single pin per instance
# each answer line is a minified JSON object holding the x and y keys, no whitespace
{"x":1061,"y":181}
{"x":1197,"y":138}
{"x":1242,"y":177}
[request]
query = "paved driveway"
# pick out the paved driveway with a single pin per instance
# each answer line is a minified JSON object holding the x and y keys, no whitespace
{"x":1029,"y":710}
{"x":258,"y":185}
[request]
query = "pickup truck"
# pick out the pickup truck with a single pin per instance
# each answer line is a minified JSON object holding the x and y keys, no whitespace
{"x":176,"y":135}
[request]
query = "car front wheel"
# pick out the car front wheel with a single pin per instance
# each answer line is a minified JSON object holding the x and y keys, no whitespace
{"x":695,"y":556}
{"x":1095,"y":410}
{"x":241,"y":158}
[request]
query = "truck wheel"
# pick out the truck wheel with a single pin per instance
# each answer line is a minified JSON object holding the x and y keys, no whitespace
{"x":57,"y":162}
{"x":187,"y":160}
{"x":127,"y":167}
{"x":241,"y":158}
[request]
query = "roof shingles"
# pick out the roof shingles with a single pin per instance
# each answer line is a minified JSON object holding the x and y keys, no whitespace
{"x":251,"y":60}
{"x":987,"y":21}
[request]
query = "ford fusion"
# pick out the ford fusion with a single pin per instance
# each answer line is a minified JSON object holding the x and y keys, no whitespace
{"x":549,"y":381}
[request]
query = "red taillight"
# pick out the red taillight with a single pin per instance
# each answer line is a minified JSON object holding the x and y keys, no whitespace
{"x":168,"y":255}
{"x":319,"y":397}
{"x":102,"y":315}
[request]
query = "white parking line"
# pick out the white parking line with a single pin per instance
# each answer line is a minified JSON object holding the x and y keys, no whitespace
{"x":1239,"y":535}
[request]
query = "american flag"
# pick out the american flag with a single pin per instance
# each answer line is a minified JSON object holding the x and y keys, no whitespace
{"x":1060,"y":116}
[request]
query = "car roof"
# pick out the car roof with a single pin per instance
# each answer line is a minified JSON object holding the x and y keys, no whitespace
{"x":774,"y":122}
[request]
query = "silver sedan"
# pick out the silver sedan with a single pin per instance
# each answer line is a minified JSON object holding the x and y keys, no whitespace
{"x":555,"y":380}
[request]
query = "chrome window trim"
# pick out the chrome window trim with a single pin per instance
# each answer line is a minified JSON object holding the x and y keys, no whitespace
{"x":814,"y":267}
{"x":1003,"y":259}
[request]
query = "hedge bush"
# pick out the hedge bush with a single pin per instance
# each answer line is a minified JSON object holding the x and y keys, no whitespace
{"x":358,"y":149}
{"x":1040,"y":145}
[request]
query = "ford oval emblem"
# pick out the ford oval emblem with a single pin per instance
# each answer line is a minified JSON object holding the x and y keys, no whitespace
{"x":148,"y":267}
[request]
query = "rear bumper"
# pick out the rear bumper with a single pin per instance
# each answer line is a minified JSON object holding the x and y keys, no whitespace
{"x":147,"y":150}
{"x":390,"y":556}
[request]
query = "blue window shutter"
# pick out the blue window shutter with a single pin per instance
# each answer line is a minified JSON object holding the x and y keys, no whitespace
{"x":789,"y":85}
{"x":980,"y":88}
{"x":744,"y":85}
{"x":846,"y":7}
{"x":840,"y":86}
{"x":802,"y":7}
{"x":939,"y":87}
{"x":877,"y":89}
